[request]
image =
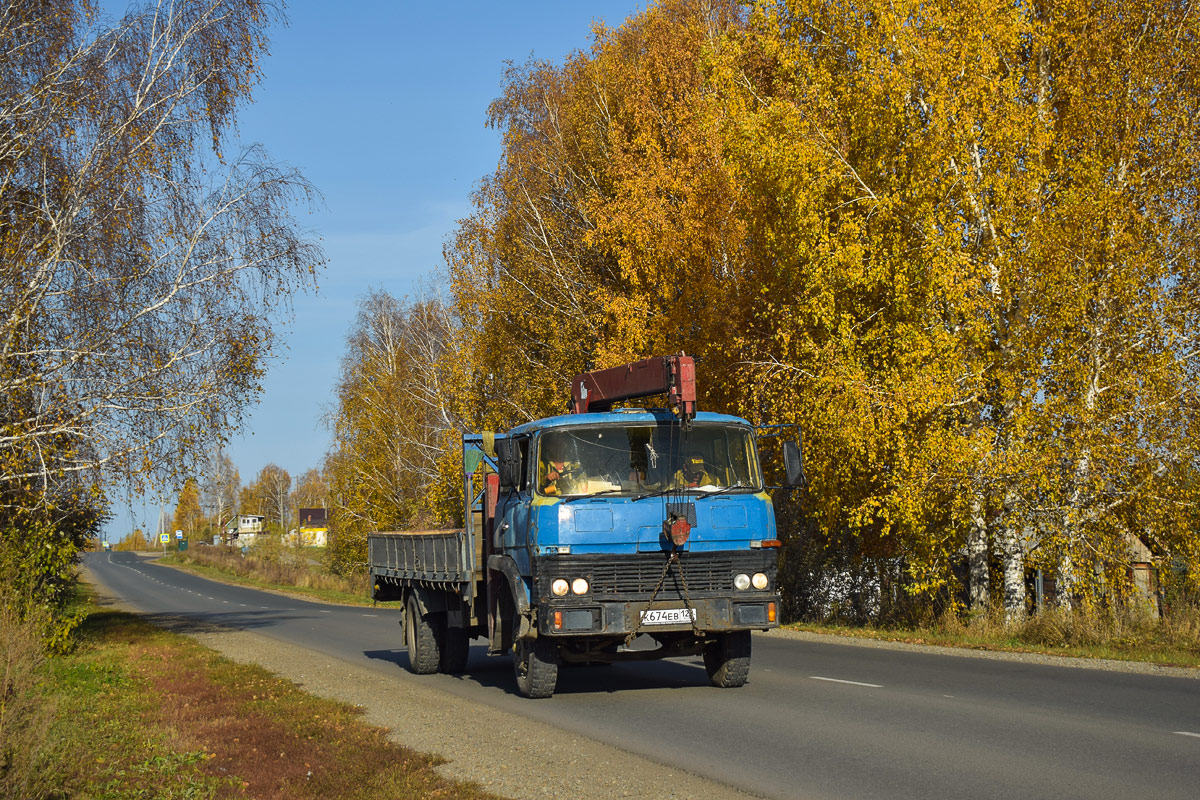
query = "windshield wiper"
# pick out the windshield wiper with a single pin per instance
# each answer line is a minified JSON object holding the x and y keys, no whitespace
{"x":575,"y":497}
{"x":659,"y":493}
{"x":694,"y":490}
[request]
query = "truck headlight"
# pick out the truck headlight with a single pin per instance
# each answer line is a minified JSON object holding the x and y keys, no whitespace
{"x":559,"y":587}
{"x":579,"y":586}
{"x":759,"y":580}
{"x":741,"y":582}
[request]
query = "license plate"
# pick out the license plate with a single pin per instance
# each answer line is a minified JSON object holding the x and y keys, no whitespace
{"x":669,"y":616}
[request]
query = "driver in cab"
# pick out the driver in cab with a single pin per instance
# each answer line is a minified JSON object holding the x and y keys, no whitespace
{"x":557,"y":473}
{"x":693,"y":474}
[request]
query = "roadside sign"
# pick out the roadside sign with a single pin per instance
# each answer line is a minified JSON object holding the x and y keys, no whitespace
{"x":164,"y":537}
{"x":178,"y":534}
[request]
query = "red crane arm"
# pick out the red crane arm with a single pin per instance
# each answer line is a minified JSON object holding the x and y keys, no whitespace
{"x":674,"y":376}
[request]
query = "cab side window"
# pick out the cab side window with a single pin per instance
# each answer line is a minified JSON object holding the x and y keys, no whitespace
{"x":523,"y":444}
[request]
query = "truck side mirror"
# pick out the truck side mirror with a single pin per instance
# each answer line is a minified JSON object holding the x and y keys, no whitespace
{"x":508,"y":457}
{"x":793,"y":463}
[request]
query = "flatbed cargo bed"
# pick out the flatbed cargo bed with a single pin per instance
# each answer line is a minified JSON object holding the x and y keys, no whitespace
{"x":424,"y":557}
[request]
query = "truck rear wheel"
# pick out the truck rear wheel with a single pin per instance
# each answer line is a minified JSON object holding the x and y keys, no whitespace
{"x":535,"y":662}
{"x":424,"y":654}
{"x":727,"y":659}
{"x":456,"y":646}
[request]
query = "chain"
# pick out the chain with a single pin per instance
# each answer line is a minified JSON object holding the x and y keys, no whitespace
{"x":661,"y":580}
{"x":678,"y":494}
{"x":687,"y":599}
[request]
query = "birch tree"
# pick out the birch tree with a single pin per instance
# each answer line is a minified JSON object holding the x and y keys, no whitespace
{"x":394,"y":424}
{"x":144,"y":270}
{"x":311,"y":490}
{"x":222,"y":487}
{"x":145,"y":260}
{"x":187,"y":515}
{"x":1120,"y":383}
{"x":269,"y":494}
{"x":523,"y":275}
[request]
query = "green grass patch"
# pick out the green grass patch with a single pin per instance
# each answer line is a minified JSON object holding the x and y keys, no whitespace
{"x":139,"y":712}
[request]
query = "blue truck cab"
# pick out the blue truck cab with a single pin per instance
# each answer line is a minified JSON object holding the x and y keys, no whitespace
{"x":624,"y":534}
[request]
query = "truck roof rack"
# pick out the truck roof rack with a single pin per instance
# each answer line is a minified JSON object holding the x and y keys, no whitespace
{"x":674,"y":376}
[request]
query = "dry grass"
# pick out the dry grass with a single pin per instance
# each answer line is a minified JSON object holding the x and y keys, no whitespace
{"x":28,"y":753}
{"x":1125,"y":634}
{"x":276,"y":567}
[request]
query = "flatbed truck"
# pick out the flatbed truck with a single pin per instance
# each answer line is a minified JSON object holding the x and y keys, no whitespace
{"x":583,"y":532}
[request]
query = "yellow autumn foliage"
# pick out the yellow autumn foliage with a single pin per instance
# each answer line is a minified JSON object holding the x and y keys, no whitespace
{"x":953,"y":242}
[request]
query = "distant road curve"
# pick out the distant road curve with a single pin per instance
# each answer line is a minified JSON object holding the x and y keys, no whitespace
{"x":819,"y":718}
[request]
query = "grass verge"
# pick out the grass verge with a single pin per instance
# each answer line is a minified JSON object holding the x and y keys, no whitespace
{"x":137,"y":712}
{"x":1125,"y":636}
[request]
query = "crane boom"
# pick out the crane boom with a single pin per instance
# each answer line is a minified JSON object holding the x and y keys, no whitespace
{"x":674,"y":376}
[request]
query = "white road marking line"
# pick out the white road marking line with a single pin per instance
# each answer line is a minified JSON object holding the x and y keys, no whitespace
{"x":852,"y":683}
{"x":1188,"y":733}
{"x":370,"y":615}
{"x":326,"y":612}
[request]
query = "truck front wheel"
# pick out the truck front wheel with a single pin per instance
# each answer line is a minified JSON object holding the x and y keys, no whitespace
{"x":421,"y":638}
{"x":727,"y":659}
{"x":535,"y":662}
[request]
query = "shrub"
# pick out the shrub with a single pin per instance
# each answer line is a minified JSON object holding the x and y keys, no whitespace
{"x":27,"y":751}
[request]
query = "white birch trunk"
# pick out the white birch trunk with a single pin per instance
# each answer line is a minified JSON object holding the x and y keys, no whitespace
{"x":1073,"y":513}
{"x":1065,"y":586}
{"x":1012,"y":555}
{"x":977,"y":557}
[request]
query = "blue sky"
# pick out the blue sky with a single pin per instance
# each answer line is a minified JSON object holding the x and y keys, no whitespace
{"x":382,"y":106}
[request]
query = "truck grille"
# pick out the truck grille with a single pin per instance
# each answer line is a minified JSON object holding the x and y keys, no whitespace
{"x":635,"y":576}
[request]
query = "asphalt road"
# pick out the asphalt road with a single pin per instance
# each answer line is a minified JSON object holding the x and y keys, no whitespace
{"x":817,"y":720}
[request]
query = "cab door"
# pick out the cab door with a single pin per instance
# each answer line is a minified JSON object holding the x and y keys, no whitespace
{"x":513,"y":535}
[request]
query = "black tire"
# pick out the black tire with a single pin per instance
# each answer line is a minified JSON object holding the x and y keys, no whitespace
{"x":456,"y":646}
{"x":424,"y":652}
{"x":535,"y":663}
{"x":727,"y":659}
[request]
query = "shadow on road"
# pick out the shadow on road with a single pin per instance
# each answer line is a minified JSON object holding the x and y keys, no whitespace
{"x":218,"y":622}
{"x":496,"y":672}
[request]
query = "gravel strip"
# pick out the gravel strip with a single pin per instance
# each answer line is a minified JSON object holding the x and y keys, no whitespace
{"x":505,"y":753}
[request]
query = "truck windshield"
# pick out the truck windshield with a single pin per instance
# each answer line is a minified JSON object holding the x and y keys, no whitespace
{"x":636,"y":459}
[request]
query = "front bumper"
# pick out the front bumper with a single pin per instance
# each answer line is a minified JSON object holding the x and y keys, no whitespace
{"x":747,"y":611}
{"x":623,"y":586}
